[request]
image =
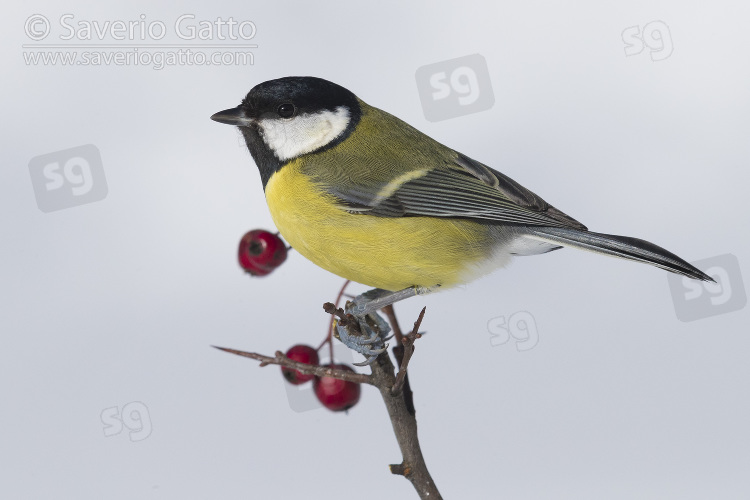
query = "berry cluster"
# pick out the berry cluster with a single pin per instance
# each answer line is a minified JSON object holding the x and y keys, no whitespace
{"x":260,"y":252}
{"x":334,"y":394}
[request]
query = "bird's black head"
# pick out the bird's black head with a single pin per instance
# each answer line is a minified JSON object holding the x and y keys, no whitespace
{"x":289,"y":117}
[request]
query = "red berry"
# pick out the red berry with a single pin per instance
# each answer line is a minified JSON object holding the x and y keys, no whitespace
{"x":335,"y":394}
{"x":261,"y":252}
{"x":303,"y":354}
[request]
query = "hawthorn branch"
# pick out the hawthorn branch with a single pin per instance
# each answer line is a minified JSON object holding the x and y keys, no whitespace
{"x":404,"y":424}
{"x":398,"y":334}
{"x":345,"y":319}
{"x":398,"y":399}
{"x":394,"y":389}
{"x":408,"y":350}
{"x":320,"y":371}
{"x":398,"y":353}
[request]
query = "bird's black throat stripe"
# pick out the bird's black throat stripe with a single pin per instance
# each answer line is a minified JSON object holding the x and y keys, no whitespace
{"x":263,"y":156}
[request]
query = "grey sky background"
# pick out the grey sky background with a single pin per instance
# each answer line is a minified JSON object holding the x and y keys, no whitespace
{"x":117,"y":301}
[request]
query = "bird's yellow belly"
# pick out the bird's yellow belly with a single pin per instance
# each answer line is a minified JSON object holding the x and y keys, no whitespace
{"x":382,"y":252}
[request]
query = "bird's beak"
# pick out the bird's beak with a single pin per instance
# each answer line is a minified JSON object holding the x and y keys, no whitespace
{"x":235,"y":116}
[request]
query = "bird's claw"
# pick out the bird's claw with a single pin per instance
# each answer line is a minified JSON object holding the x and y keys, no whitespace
{"x":370,"y":339}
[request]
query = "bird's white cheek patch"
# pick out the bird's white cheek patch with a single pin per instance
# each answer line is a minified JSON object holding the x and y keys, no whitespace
{"x":290,"y":138}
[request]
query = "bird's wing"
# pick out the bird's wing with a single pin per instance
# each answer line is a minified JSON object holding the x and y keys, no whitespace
{"x":463,"y":188}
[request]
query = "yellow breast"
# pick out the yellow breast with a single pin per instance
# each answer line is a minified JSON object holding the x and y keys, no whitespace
{"x":382,"y":252}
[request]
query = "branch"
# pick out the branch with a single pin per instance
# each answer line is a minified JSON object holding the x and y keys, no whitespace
{"x":394,"y":389}
{"x":320,"y":371}
{"x":398,"y":352}
{"x":404,"y":423}
{"x":397,"y":333}
{"x":408,"y":343}
{"x":345,"y":319}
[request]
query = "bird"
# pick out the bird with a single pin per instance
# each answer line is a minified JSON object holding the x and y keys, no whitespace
{"x":368,"y":197}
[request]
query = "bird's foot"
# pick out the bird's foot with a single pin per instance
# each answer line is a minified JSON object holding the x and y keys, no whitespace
{"x":362,"y":329}
{"x":366,"y":335}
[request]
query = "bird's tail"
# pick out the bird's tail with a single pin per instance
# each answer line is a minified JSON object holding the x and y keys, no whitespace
{"x":618,"y":246}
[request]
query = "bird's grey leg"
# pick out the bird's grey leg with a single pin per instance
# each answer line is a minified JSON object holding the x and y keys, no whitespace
{"x":370,"y":341}
{"x":377,"y":298}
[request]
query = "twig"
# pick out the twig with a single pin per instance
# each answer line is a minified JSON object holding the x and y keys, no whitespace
{"x":320,"y":371}
{"x":330,"y":324}
{"x":398,"y":352}
{"x":398,"y":402}
{"x":397,"y":333}
{"x":345,"y":319}
{"x":408,"y":343}
{"x":404,"y":423}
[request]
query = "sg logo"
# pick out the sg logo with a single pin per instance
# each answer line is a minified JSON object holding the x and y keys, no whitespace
{"x":697,"y":299}
{"x":68,"y":178}
{"x":134,"y":416}
{"x":455,"y":87}
{"x":655,"y":36}
{"x":463,"y":81}
{"x":520,"y":326}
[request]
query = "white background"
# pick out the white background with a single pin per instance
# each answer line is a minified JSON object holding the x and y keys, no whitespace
{"x":118,"y":301}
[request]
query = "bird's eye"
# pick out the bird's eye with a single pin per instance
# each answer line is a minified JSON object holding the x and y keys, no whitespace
{"x":286,"y":110}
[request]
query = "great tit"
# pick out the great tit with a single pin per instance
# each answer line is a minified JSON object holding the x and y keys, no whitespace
{"x":372,"y":199}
